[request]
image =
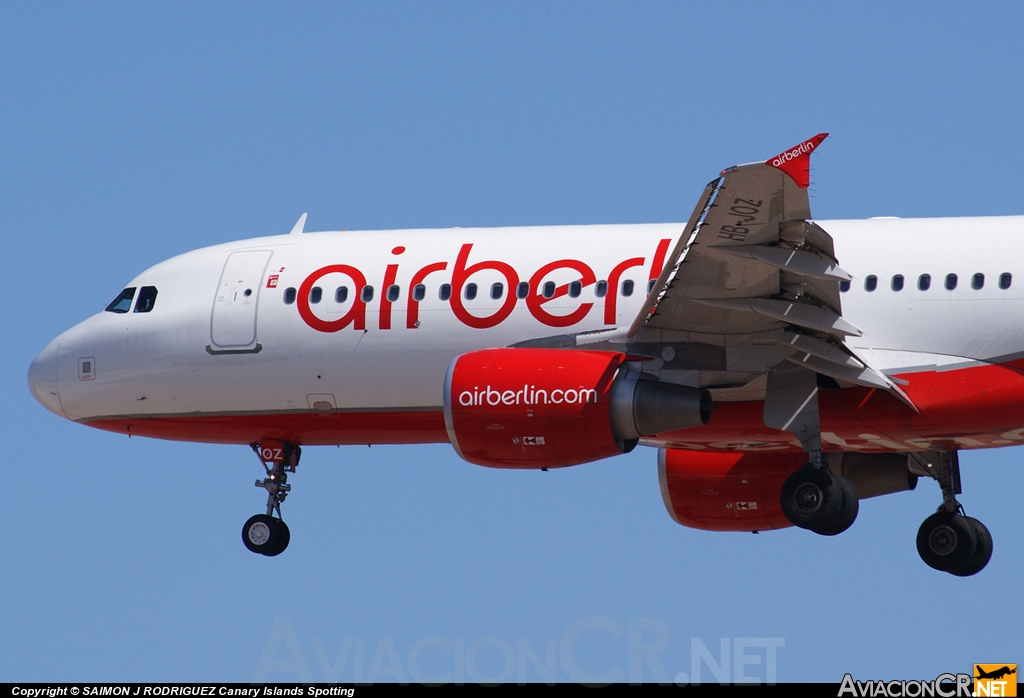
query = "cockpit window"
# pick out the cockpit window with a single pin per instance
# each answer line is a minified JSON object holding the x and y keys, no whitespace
{"x":123,"y":302}
{"x":147,"y":299}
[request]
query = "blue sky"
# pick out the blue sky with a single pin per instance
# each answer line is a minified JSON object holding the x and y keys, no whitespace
{"x":132,"y":132}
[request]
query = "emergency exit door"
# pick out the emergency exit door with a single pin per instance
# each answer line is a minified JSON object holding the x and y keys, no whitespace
{"x":233,"y":322}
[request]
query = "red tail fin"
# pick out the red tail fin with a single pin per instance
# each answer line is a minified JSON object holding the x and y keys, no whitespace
{"x":796,"y":161}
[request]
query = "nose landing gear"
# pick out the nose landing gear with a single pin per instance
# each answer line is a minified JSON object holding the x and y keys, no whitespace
{"x":948,"y":540}
{"x":264,"y":533}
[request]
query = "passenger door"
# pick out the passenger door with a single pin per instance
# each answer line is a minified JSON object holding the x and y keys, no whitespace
{"x":233,"y":321}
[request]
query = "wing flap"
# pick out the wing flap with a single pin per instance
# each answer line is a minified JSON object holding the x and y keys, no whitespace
{"x":757,"y":206}
{"x":751,"y":287}
{"x":752,"y":263}
{"x":791,"y":260}
{"x":804,"y":315}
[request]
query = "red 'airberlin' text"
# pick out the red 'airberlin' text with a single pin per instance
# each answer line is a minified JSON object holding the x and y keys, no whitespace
{"x":465,"y":266}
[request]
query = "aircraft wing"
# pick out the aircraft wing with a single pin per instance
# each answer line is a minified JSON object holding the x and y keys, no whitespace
{"x":754,"y":277}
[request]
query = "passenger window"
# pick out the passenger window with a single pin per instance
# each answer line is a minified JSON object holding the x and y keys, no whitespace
{"x":897,"y":283}
{"x":650,"y":285}
{"x":123,"y":302}
{"x":366,"y":295}
{"x":419,"y":292}
{"x":871,"y":283}
{"x":445,"y":292}
{"x":601,"y":290}
{"x":575,"y":288}
{"x":289,"y":296}
{"x":549,"y":289}
{"x":497,"y":291}
{"x":523,"y":289}
{"x":315,"y":294}
{"x":844,"y":286}
{"x":950,"y":282}
{"x":924,"y":282}
{"x":627,"y":288}
{"x":341,"y":294}
{"x":147,"y":299}
{"x":393,"y":292}
{"x":469,"y":292}
{"x":1005,"y":279}
{"x":978,"y":282}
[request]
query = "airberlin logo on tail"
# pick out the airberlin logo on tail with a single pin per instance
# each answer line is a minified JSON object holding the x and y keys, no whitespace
{"x":804,"y":148}
{"x":796,"y":162}
{"x":527,"y":395}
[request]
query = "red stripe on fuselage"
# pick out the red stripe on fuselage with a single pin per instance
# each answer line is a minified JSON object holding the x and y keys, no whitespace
{"x":976,"y":407}
{"x":330,"y":429}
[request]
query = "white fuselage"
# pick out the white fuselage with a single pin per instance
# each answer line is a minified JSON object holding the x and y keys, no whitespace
{"x":208,"y":349}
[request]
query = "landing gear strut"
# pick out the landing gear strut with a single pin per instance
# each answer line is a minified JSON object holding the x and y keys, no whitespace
{"x":264,"y":533}
{"x":948,"y":540}
{"x":812,"y":497}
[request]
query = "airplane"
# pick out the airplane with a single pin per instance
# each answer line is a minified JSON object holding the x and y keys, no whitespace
{"x":778,"y":387}
{"x":995,"y":674}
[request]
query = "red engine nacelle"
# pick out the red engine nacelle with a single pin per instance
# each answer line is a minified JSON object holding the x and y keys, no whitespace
{"x":726,"y":491}
{"x":531,"y":408}
{"x":740,"y":491}
{"x":548,"y":408}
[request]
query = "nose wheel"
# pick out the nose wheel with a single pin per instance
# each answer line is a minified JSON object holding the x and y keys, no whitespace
{"x":268,"y":534}
{"x":265,"y":535}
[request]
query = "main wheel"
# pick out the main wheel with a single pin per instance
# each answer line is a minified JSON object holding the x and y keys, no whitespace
{"x":811,"y":498}
{"x":982,"y":553}
{"x":846,"y":514}
{"x":265,"y":535}
{"x":946,"y":541}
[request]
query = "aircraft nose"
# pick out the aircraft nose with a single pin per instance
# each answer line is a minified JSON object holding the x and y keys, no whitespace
{"x":42,"y":379}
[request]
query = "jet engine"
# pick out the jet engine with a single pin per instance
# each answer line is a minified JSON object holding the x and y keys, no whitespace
{"x":739,"y":491}
{"x":549,"y":408}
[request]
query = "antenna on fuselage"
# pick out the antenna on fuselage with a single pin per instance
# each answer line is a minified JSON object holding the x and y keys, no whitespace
{"x":299,"y":226}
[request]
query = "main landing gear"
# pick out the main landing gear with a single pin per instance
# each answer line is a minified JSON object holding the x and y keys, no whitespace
{"x":948,"y":540}
{"x":263,"y":533}
{"x":815,"y":499}
{"x":812,"y":497}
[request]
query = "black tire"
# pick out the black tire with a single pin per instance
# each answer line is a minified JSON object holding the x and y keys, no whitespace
{"x":810,"y":498}
{"x":982,"y":552}
{"x":265,"y":535}
{"x":946,"y":541}
{"x":847,"y":512}
{"x":279,"y":541}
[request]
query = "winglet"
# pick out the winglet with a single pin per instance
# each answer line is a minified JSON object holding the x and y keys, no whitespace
{"x":299,"y":226}
{"x":796,"y":161}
